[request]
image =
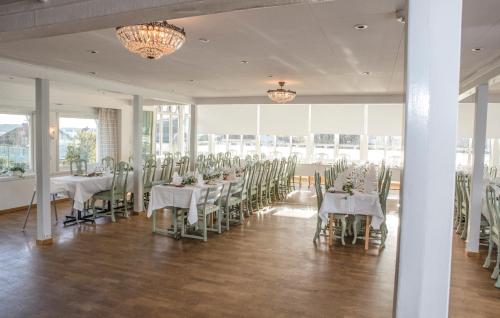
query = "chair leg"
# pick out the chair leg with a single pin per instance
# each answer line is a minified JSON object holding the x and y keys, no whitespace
{"x":219,"y":221}
{"x":487,"y":261}
{"x":497,"y":265}
{"x":205,"y":228}
{"x":55,"y":206}
{"x":318,"y":229}
{"x":113,"y":210}
{"x":29,"y":210}
{"x":125,"y":205}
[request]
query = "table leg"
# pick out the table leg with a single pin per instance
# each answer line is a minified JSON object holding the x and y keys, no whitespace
{"x":154,"y":221}
{"x":367,"y":231}
{"x":330,"y":230}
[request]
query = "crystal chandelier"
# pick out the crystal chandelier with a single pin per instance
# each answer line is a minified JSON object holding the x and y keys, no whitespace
{"x":151,"y":40}
{"x":281,"y":95}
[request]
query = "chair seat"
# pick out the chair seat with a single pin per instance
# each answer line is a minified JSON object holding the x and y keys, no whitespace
{"x":209,"y":208}
{"x":232,"y":201}
{"x":106,"y":195}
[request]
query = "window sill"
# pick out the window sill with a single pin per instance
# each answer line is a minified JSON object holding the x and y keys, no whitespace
{"x":30,"y":175}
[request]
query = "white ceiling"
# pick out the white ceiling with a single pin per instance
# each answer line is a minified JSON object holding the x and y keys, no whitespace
{"x":313,"y":47}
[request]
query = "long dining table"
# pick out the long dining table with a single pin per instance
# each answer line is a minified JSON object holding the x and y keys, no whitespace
{"x":359,"y":203}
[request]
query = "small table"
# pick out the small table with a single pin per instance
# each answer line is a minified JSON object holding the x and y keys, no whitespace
{"x":82,"y":188}
{"x":357,"y":204}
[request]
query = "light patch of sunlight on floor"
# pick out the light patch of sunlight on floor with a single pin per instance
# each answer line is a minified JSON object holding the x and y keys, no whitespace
{"x":296,"y":213}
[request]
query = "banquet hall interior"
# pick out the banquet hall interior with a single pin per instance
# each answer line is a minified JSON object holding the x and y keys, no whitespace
{"x":280,"y":158}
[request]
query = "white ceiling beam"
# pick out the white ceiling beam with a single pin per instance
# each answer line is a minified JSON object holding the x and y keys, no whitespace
{"x":22,"y":20}
{"x":25,"y":70}
{"x":311,"y":99}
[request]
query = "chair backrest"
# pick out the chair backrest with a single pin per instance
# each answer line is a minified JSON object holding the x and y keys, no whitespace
{"x":236,"y":163}
{"x":167,"y":169}
{"x":108,"y":163}
{"x":184,"y":165}
{"x":384,"y":189}
{"x":177,"y":156}
{"x":319,"y":192}
{"x":120,"y":176}
{"x":492,"y":203}
{"x":212,"y":195}
{"x":148,"y":175}
{"x":78,"y":166}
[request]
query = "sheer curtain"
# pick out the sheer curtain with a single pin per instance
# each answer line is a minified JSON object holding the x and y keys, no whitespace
{"x":109,"y":133}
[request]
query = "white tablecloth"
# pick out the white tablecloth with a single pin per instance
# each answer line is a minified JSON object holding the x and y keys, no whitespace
{"x":359,"y":203}
{"x":82,"y":188}
{"x":170,"y":196}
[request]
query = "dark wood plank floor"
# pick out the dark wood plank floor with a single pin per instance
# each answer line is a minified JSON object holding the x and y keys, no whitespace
{"x":268,"y":267}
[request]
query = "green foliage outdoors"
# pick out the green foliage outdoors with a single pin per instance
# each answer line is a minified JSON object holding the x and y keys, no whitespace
{"x":83,"y":146}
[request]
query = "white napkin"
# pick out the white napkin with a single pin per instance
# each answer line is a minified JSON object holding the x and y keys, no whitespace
{"x":199,"y":179}
{"x":176,"y":179}
{"x":370,"y":184}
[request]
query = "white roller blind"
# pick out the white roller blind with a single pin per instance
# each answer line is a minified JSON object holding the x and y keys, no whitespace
{"x":284,"y":120}
{"x":227,"y":119}
{"x":493,"y":123}
{"x":337,"y":119}
{"x":465,"y":120}
{"x":385,"y":120}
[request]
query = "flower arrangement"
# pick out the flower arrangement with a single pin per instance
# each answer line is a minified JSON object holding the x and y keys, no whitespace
{"x":187,"y":180}
{"x":17,"y":170}
{"x":348,"y":187}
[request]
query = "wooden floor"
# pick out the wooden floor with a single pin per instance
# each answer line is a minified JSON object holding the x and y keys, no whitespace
{"x":269,"y":267}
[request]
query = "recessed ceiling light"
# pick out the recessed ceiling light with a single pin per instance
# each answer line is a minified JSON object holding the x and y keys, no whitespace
{"x":92,"y":51}
{"x":11,"y":78}
{"x":59,"y":104}
{"x":477,"y":49}
{"x":92,"y":73}
{"x":244,"y":62}
{"x":361,"y":27}
{"x":269,"y":76}
{"x":203,"y":40}
{"x":365,"y":73}
{"x":191,"y":80}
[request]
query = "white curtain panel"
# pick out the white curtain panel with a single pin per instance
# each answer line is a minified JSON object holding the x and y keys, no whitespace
{"x":109,"y":127}
{"x":346,"y":119}
{"x":385,"y":120}
{"x":284,"y":119}
{"x":227,"y":119}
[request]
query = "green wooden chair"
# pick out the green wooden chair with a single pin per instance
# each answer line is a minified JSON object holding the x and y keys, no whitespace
{"x":148,"y":177}
{"x":209,"y":205}
{"x":232,"y":204}
{"x":183,"y":165}
{"x":78,"y":167}
{"x":167,"y":168}
{"x":492,"y":204}
{"x":116,"y":196}
{"x":339,"y":218}
{"x":108,"y":163}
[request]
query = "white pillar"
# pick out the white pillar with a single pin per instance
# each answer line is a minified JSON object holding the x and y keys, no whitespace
{"x":363,"y":139}
{"x":42,"y":150}
{"x":495,"y":152}
{"x":193,"y":136}
{"x":137,"y":153}
{"x":477,"y":191}
{"x":180,"y":131}
{"x":431,"y":108}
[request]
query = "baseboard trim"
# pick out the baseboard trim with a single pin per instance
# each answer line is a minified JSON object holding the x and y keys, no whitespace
{"x":44,"y":242}
{"x":25,"y":207}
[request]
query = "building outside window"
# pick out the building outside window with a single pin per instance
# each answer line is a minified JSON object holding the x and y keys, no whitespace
{"x":299,"y":148}
{"x":220,"y":143}
{"x":15,"y":142}
{"x":349,"y":147}
{"x":249,"y":146}
{"x":324,"y":147}
{"x":283,"y":147}
{"x":376,"y":149}
{"x":77,"y":139}
{"x":234,"y":144}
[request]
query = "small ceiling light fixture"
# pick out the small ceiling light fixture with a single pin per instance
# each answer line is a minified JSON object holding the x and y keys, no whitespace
{"x":477,"y":49}
{"x":92,"y":51}
{"x":244,"y":62}
{"x":203,"y":40}
{"x":281,"y":95}
{"x":365,"y":73}
{"x":269,"y":76}
{"x":92,"y":73}
{"x":151,"y":40}
{"x":191,"y":80}
{"x":360,"y":27}
{"x":401,"y":16}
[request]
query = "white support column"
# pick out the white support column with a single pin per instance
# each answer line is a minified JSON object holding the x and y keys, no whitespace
{"x":42,"y":149}
{"x":180,"y":138}
{"x":479,"y":146}
{"x":495,"y":152}
{"x":137,"y":153}
{"x":193,"y":136}
{"x":432,"y":87}
{"x":363,"y":139}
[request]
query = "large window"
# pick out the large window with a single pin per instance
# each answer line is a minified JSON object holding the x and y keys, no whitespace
{"x":249,"y":145}
{"x":283,"y":147}
{"x":234,"y":144}
{"x":15,"y":142}
{"x":299,"y":148}
{"x":77,"y":139}
{"x":203,"y":144}
{"x":169,"y":119}
{"x":220,"y":143}
{"x":324,"y":147}
{"x":349,"y":147}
